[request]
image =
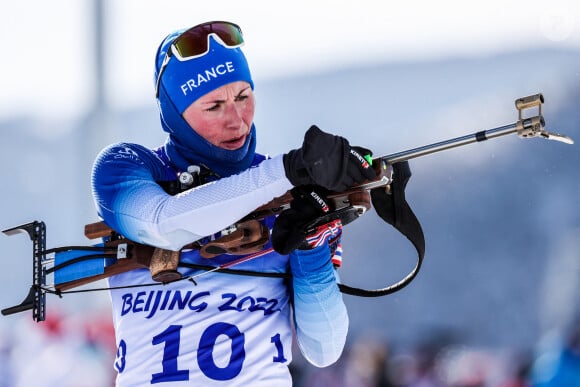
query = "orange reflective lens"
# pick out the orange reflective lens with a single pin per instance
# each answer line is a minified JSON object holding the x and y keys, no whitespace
{"x":195,"y":41}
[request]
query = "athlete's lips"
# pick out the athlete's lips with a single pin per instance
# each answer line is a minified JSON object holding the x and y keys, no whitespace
{"x":234,"y":143}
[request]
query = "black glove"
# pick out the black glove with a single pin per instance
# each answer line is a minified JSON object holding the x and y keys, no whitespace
{"x":328,"y":161}
{"x":290,"y":229}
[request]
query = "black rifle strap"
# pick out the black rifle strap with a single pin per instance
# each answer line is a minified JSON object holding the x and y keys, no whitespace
{"x":393,"y":208}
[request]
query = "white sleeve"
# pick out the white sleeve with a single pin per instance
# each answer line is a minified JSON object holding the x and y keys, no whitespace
{"x":209,"y":208}
{"x":143,"y":212}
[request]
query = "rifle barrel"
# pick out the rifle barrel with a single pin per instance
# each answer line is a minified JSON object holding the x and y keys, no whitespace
{"x":451,"y":143}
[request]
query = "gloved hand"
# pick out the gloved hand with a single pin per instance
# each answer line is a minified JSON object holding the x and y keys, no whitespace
{"x":290,"y":229}
{"x":328,"y":161}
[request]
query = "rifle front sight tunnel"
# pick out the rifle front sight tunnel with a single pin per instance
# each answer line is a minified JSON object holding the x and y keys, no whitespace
{"x":530,"y":101}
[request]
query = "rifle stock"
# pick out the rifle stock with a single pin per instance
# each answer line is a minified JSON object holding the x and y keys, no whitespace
{"x":247,"y":236}
{"x":139,"y":258}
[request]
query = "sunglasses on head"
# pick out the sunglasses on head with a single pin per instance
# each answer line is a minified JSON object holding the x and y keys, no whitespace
{"x":194,"y":43}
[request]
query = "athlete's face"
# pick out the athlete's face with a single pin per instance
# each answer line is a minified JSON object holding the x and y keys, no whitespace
{"x":224,"y":116}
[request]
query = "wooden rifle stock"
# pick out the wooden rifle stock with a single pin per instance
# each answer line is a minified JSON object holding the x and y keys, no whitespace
{"x":139,"y":258}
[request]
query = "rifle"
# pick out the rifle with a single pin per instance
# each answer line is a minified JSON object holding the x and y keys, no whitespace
{"x":118,"y":254}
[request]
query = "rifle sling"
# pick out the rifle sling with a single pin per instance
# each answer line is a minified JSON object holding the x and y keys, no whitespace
{"x":414,"y":233}
{"x":395,"y":210}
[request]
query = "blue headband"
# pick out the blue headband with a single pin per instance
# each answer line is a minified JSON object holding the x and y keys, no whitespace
{"x":186,"y":81}
{"x":182,"y":83}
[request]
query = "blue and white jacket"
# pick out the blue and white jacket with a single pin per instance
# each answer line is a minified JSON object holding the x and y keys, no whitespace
{"x":226,"y":329}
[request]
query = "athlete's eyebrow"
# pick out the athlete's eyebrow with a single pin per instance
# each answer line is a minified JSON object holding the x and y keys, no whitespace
{"x":217,"y":101}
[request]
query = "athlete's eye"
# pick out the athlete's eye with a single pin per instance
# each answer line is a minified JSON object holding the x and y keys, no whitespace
{"x":213,"y":108}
